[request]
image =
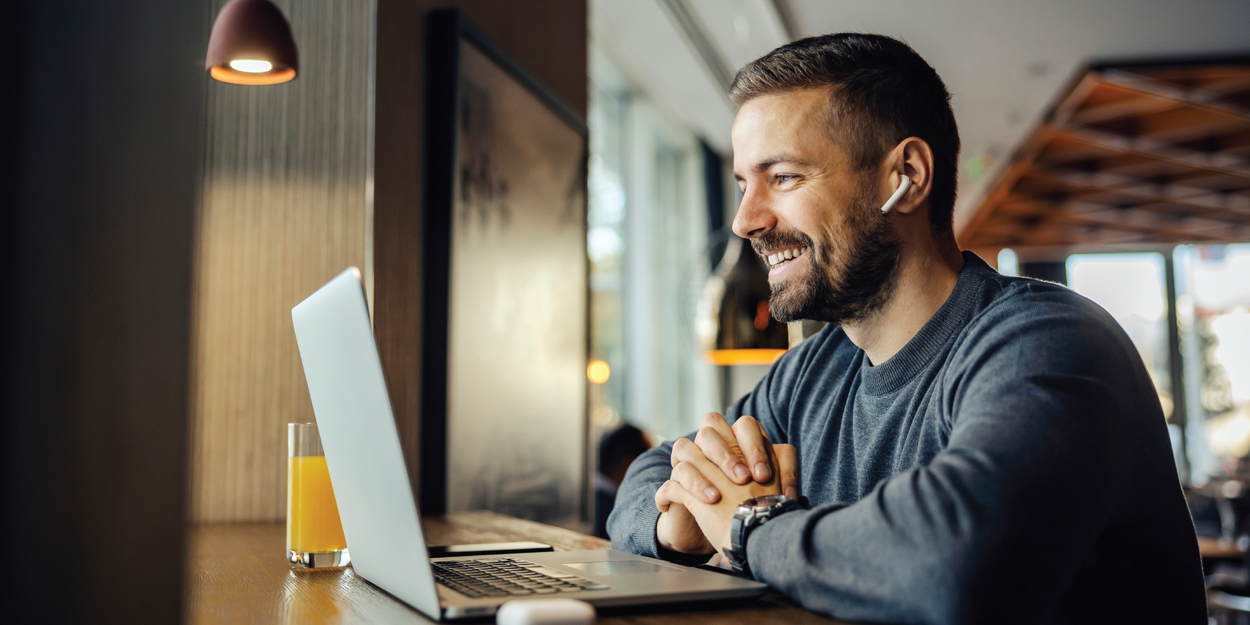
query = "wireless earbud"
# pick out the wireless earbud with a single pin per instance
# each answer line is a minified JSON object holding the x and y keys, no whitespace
{"x":902,"y":188}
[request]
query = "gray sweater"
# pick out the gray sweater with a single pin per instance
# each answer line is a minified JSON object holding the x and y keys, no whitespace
{"x":1010,"y":464}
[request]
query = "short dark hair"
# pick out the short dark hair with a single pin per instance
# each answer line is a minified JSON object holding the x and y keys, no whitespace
{"x":883,"y":93}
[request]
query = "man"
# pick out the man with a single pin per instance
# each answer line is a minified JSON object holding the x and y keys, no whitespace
{"x":975,"y":448}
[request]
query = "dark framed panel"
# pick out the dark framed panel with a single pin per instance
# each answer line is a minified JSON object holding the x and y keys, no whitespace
{"x":505,"y":323}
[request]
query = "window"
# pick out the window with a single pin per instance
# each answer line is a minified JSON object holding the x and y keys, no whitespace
{"x":1131,"y":288}
{"x":647,"y":242}
{"x":1213,"y":310}
{"x":1210,"y":425}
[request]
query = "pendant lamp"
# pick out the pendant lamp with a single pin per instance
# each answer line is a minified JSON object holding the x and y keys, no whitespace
{"x":251,"y":44}
{"x":733,"y":324}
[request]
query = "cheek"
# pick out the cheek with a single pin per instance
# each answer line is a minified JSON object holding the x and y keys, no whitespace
{"x":809,"y":212}
{"x":833,"y":232}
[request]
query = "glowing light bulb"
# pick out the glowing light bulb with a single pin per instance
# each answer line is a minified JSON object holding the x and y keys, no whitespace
{"x":251,"y":66}
{"x":598,"y":372}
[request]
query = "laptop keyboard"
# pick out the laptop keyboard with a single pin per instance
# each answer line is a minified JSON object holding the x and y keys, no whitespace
{"x":507,"y":577}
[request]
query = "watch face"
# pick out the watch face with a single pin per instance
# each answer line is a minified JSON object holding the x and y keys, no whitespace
{"x":767,"y":501}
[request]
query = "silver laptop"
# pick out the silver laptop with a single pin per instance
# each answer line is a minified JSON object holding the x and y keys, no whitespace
{"x":379,"y":512}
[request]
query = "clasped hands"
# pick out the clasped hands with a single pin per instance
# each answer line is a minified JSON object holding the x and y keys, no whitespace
{"x":723,"y":467}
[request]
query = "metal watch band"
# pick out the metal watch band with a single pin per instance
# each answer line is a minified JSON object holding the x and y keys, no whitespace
{"x":751,"y":514}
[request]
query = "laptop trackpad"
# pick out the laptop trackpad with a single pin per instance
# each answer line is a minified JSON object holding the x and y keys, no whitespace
{"x":619,"y":567}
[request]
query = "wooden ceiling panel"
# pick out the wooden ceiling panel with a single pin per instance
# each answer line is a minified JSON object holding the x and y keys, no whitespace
{"x":1174,"y":124}
{"x":1215,"y":79}
{"x":1145,"y":169}
{"x":1232,"y":142}
{"x":1067,"y":150}
{"x":1212,"y":180}
{"x":1140,"y":153}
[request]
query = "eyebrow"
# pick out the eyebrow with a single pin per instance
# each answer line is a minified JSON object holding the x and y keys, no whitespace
{"x":768,"y":163}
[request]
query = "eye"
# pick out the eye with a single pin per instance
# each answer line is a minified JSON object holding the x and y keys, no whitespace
{"x":785,"y":178}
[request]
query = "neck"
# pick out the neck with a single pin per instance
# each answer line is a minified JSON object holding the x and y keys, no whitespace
{"x":925,"y":279}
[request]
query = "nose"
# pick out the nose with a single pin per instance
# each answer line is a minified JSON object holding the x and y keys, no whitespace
{"x":754,"y":216}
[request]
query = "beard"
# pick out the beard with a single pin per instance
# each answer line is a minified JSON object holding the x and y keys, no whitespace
{"x":851,"y":273}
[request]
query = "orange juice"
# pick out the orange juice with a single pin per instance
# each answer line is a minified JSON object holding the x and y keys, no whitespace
{"x":312,"y":520}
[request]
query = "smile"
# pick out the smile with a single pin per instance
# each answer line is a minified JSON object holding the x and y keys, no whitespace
{"x":777,"y":258}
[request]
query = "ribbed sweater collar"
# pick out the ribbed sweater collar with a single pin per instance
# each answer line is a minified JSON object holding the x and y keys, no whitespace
{"x":941,"y":327}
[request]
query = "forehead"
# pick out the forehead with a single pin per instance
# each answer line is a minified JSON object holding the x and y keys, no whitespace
{"x":791,"y":123}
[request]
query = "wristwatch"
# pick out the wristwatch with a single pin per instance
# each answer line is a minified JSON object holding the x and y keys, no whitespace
{"x":751,"y":514}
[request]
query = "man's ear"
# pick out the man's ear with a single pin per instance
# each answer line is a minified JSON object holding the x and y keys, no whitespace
{"x":912,"y":158}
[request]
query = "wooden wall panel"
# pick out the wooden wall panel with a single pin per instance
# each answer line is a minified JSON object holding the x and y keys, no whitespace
{"x":284,"y":209}
{"x":548,"y":37}
{"x":286,"y":205}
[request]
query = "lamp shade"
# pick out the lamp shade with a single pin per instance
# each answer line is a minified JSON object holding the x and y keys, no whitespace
{"x":251,"y":44}
{"x":734,"y":325}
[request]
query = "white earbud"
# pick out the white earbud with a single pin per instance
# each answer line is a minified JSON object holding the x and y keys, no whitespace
{"x":902,"y":188}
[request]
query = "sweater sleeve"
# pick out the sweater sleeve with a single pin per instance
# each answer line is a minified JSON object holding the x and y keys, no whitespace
{"x":631,"y":525}
{"x":1038,"y":452}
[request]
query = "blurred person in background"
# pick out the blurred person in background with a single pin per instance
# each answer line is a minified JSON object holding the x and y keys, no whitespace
{"x":617,"y":450}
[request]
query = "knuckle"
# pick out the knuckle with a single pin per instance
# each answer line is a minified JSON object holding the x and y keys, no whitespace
{"x":712,"y":418}
{"x":706,"y":435}
{"x":689,"y":476}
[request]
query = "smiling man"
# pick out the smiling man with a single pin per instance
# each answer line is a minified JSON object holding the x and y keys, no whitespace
{"x":975,"y":448}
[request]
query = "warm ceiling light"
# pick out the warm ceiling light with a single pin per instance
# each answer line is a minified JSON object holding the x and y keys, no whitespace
{"x":730,"y":357}
{"x":251,"y":44}
{"x":598,"y":372}
{"x":251,"y":66}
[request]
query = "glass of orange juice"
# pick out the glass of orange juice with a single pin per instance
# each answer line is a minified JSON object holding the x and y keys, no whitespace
{"x":314,"y":534}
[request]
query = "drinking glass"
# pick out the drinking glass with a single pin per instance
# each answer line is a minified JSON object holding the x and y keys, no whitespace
{"x":314,"y":533}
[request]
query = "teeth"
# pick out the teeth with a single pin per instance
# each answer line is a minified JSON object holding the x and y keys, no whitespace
{"x":782,"y":256}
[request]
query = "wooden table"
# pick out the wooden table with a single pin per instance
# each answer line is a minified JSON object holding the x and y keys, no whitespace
{"x":237,"y":575}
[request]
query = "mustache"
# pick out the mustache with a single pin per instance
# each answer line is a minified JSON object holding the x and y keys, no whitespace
{"x":774,"y":239}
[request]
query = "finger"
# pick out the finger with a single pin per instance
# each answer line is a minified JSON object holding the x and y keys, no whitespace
{"x":719,"y":560}
{"x":672,"y":456}
{"x":693,"y":481}
{"x":751,"y":439}
{"x":669,"y":493}
{"x":717,"y":422}
{"x":686,"y":451}
{"x":788,"y":468}
{"x":717,"y":450}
